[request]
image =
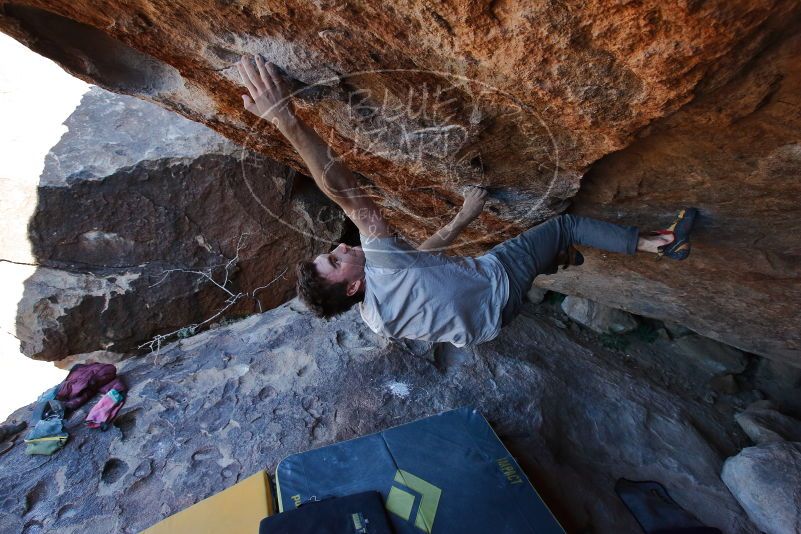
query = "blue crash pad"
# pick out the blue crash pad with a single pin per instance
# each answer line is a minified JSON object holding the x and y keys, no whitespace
{"x":443,"y":474}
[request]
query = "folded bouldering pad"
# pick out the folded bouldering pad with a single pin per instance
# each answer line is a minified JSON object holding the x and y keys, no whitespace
{"x":236,"y":510}
{"x":443,"y":474}
{"x":362,"y":513}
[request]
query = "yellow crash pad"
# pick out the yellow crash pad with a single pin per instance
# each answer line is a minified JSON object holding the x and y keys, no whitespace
{"x":238,"y":509}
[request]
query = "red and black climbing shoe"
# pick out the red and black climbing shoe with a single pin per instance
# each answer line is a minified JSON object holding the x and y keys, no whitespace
{"x":679,"y":248}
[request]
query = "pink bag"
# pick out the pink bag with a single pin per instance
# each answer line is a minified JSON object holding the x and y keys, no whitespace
{"x":103,"y":413}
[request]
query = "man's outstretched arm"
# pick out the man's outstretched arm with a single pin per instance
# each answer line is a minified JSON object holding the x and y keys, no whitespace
{"x":471,"y":208}
{"x":269,"y":99}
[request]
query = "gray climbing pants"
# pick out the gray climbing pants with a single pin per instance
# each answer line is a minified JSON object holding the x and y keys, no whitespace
{"x":536,"y":250}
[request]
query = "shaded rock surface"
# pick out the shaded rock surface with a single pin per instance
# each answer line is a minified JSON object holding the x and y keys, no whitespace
{"x":133,"y":197}
{"x":765,"y":480}
{"x":712,"y":355}
{"x":779,"y":381}
{"x":98,"y":356}
{"x":536,"y":294}
{"x":211,"y":409}
{"x":676,"y":330}
{"x":764,"y":424}
{"x":602,"y":319}
{"x":666,"y":104}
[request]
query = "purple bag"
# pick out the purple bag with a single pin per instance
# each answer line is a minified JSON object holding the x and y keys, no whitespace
{"x":103,"y":413}
{"x":84,"y":380}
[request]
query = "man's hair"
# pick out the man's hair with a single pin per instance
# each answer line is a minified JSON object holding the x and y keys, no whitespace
{"x":323,"y":298}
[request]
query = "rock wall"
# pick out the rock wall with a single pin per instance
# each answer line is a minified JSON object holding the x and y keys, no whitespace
{"x":134,"y":204}
{"x":735,"y":154}
{"x":664,"y":104}
{"x":211,"y":409}
{"x":765,"y":478}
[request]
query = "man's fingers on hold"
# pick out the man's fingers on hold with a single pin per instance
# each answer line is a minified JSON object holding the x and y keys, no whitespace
{"x":246,"y":80}
{"x":476,"y":191}
{"x":253,"y":75}
{"x":263,"y":74}
{"x":277,"y":79}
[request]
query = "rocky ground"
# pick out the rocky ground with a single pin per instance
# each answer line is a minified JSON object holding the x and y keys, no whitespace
{"x":578,"y":409}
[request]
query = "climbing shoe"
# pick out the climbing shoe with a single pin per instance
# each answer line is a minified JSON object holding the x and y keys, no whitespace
{"x":679,"y":248}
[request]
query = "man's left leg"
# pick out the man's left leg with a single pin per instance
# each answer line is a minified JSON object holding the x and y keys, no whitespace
{"x":536,"y":250}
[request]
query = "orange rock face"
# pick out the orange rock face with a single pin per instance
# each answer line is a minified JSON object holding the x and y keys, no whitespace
{"x":736,"y":155}
{"x":658,"y":104}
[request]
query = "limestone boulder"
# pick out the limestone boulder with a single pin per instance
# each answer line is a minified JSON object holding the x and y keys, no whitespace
{"x":764,"y":424}
{"x":147,"y":223}
{"x":640,"y":108}
{"x":600,"y":318}
{"x":535,"y":294}
{"x":765,"y":480}
{"x":782,"y":382}
{"x":712,"y":356}
{"x":676,"y":330}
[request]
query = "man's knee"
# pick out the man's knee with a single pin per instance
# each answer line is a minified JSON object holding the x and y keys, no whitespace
{"x":562,"y":228}
{"x":566,"y":220}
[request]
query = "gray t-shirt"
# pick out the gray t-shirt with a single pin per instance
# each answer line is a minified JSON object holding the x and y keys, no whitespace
{"x":429,"y":296}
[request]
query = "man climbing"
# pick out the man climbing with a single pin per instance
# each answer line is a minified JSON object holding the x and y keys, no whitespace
{"x":410,"y":293}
